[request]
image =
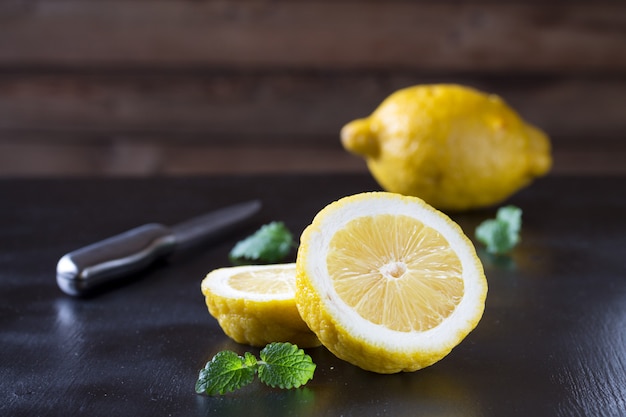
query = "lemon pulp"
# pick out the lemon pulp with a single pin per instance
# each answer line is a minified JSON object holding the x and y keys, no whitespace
{"x":395,"y":271}
{"x":264,"y":281}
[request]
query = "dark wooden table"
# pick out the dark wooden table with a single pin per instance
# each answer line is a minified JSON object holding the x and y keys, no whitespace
{"x":552,"y":341}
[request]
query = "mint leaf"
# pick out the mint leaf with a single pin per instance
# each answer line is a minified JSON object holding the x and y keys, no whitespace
{"x":226,"y":372}
{"x":284,"y":365}
{"x":270,"y":244}
{"x":501,"y":234}
{"x":495,"y":235}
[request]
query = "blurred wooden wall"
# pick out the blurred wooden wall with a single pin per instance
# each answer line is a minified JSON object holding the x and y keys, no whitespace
{"x":169,"y":87}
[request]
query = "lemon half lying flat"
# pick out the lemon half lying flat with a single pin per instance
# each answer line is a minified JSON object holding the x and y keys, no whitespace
{"x":387,"y":282}
{"x":255,"y":304}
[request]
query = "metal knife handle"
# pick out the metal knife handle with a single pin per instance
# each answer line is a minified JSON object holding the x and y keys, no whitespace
{"x":81,"y":271}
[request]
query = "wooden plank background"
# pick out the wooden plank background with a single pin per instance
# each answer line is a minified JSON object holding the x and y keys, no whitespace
{"x":178,"y":87}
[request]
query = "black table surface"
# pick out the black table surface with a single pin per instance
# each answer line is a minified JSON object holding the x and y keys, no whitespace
{"x":552,"y":340}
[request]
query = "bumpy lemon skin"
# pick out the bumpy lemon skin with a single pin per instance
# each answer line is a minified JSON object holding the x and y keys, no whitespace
{"x":258,"y":323}
{"x":453,"y":146}
{"x":338,"y":340}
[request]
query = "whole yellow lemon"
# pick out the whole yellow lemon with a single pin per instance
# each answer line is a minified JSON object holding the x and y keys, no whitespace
{"x":453,"y":146}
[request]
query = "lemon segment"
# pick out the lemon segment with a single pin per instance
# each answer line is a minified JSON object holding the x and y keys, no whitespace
{"x":255,"y":304}
{"x":387,"y":282}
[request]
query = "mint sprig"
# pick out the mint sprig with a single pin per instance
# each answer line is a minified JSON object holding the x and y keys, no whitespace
{"x":501,"y":234}
{"x":226,"y":372}
{"x":282,"y":365}
{"x":270,"y":244}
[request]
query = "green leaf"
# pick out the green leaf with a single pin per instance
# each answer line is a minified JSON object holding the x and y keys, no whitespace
{"x":284,"y":365}
{"x":501,"y":235}
{"x":270,"y":244}
{"x":512,"y":216}
{"x":226,"y":372}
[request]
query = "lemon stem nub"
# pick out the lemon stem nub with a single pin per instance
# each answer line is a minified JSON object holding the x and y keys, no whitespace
{"x":358,"y":138}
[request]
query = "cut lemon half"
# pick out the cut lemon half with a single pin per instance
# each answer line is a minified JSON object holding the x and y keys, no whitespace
{"x":255,"y":304}
{"x":387,"y":282}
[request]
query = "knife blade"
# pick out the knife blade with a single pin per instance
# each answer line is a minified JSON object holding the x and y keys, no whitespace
{"x":86,"y":270}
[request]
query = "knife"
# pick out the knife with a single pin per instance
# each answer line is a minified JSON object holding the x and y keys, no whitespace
{"x":89,"y":269}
